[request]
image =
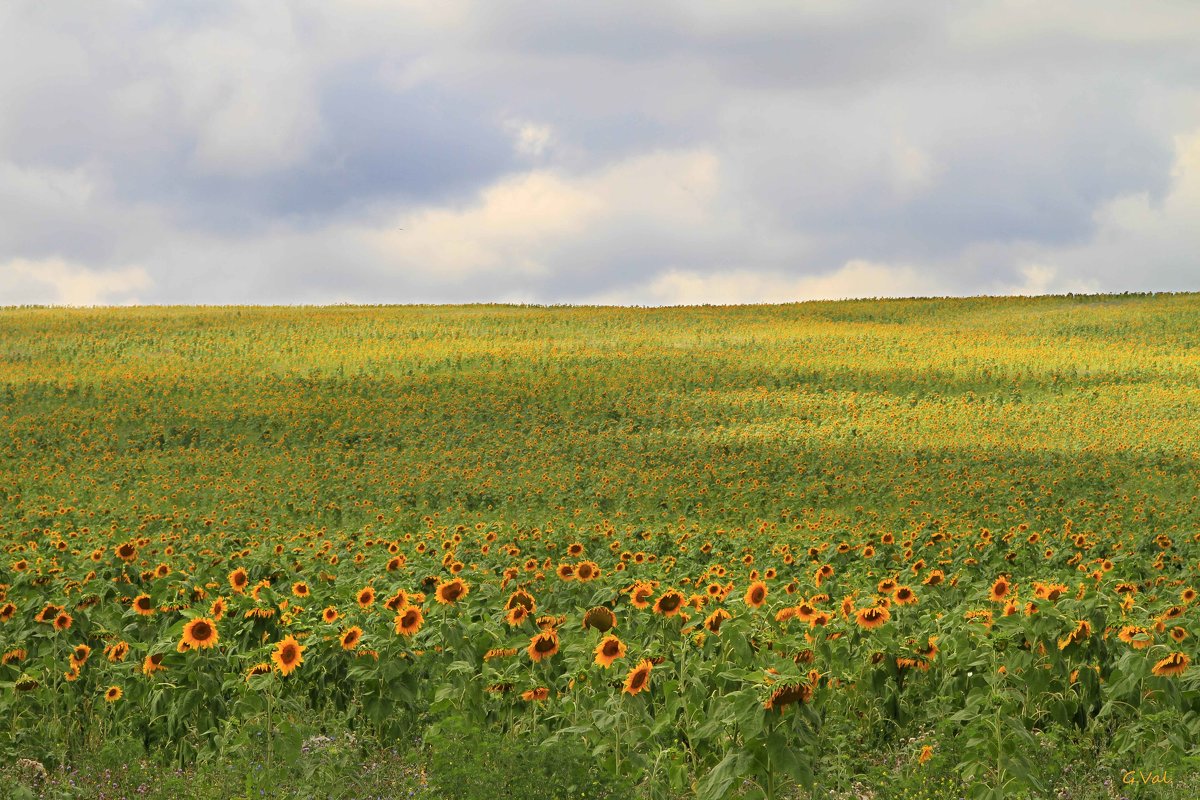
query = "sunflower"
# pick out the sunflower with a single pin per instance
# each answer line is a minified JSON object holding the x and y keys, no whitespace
{"x":7,"y":611}
{"x":127,"y":551}
{"x":516,"y":615}
{"x":113,"y":694}
{"x":609,"y":650}
{"x":330,"y":614}
{"x":538,"y":694}
{"x":565,"y":572}
{"x":288,"y":655}
{"x":217,"y":609}
{"x":239,"y":579}
{"x":668,"y":604}
{"x":351,"y":637}
{"x":638,"y":678}
{"x":152,"y":664}
{"x":409,"y":621}
{"x":116,"y":651}
{"x":784,"y":696}
{"x":756,"y":595}
{"x":999,"y":591}
{"x":200,"y":633}
{"x":600,"y":618}
{"x":521,"y":598}
{"x":258,"y":669}
{"x":1083,"y":629}
{"x":904,"y":596}
{"x":926,"y":754}
{"x":1173,"y":664}
{"x":450,"y":592}
{"x":587,"y":570}
{"x":1178,"y":634}
{"x":48,"y":613}
{"x":872,"y":616}
{"x":143,"y":605}
{"x":80,"y":655}
{"x":366,"y":597}
{"x":63,"y":621}
{"x":543,"y":645}
{"x":504,"y":652}
{"x":640,"y":595}
{"x":300,"y":589}
{"x":1136,"y":636}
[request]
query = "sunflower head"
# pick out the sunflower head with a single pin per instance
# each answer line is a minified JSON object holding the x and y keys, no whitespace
{"x":200,"y":633}
{"x":543,"y":645}
{"x":600,"y":618}
{"x":609,"y":650}
{"x":288,"y":655}
{"x":638,"y":678}
{"x":113,"y":694}
{"x":451,"y":591}
{"x":409,"y":621}
{"x":351,"y":637}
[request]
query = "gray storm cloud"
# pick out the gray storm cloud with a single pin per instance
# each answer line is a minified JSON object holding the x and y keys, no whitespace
{"x":272,"y":152}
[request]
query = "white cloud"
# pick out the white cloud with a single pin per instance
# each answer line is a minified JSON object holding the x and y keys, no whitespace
{"x":1139,"y":242}
{"x":57,"y":282}
{"x":855,"y":279}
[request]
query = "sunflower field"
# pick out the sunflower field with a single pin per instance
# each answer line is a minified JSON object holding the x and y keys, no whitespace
{"x":753,"y":552}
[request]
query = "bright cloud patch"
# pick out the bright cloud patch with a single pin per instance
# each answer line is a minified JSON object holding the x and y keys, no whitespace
{"x":56,"y":282}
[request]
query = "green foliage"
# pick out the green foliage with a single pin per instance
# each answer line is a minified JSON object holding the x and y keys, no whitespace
{"x":467,"y":762}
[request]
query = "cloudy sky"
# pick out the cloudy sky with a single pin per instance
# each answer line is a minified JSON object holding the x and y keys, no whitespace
{"x":321,"y":151}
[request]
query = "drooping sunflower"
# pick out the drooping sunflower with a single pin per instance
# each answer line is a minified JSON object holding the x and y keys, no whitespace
{"x":117,"y":651}
{"x":669,"y":603}
{"x":600,"y":618}
{"x":1083,"y":629}
{"x":257,"y":670}
{"x":1174,"y":664}
{"x":288,"y":655}
{"x":113,"y":694}
{"x":609,"y":650}
{"x":543,"y":645}
{"x":756,"y":595}
{"x":521,"y":598}
{"x":143,"y":605}
{"x":451,"y":591}
{"x":1136,"y":636}
{"x":350,"y":637}
{"x":409,"y":621}
{"x":152,"y":664}
{"x":784,"y":696}
{"x":714,"y":620}
{"x":638,"y":678}
{"x":872,"y":617}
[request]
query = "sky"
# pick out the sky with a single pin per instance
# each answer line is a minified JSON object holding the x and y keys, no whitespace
{"x":376,"y":151}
